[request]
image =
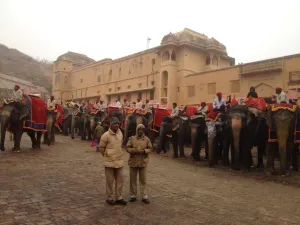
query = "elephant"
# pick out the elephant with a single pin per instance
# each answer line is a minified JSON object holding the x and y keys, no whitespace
{"x":90,"y":119}
{"x":67,"y":120}
{"x":49,"y":136}
{"x":218,"y":140}
{"x":13,"y":117}
{"x":282,"y":121}
{"x":134,"y":119}
{"x":77,"y":123}
{"x":165,"y":130}
{"x":247,"y":128}
{"x":198,"y":127}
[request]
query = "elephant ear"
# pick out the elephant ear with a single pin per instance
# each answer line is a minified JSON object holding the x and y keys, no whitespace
{"x":23,"y":113}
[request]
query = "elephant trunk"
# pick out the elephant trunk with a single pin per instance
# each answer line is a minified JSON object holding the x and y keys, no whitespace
{"x":73,"y":126}
{"x":4,"y":124}
{"x":283,"y":134}
{"x":236,"y":124}
{"x":211,"y":136}
{"x":49,"y":129}
{"x":92,"y":126}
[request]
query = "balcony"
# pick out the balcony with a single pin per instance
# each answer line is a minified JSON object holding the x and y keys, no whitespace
{"x":263,"y":66}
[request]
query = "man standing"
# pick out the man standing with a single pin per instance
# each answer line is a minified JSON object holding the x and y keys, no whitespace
{"x":219,"y":104}
{"x":17,"y":93}
{"x":139,"y":104}
{"x":281,"y":97}
{"x":175,"y":110}
{"x":202,"y":109}
{"x":147,"y":106}
{"x":139,"y":147}
{"x":126,"y":103}
{"x":51,"y":103}
{"x":110,"y":148}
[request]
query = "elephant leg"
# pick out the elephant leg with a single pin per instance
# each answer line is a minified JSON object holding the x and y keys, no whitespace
{"x":175,"y":143}
{"x":32,"y":137}
{"x":271,"y":148}
{"x":225,"y":157}
{"x":38,"y":139}
{"x":17,"y":139}
{"x":181,"y":141}
{"x":196,"y":143}
{"x":260,"y":152}
{"x":295,"y":157}
{"x":206,"y":146}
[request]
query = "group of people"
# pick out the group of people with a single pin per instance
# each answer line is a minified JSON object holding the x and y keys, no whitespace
{"x":139,"y":148}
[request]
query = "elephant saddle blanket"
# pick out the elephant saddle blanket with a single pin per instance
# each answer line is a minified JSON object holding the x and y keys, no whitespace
{"x":213,"y":116}
{"x":37,"y":113}
{"x":190,"y":110}
{"x":159,"y":114}
{"x":292,"y":108}
{"x":59,"y":120}
{"x":112,"y":109}
{"x":257,"y":103}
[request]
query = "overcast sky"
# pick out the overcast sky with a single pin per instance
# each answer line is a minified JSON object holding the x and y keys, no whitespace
{"x":251,"y":30}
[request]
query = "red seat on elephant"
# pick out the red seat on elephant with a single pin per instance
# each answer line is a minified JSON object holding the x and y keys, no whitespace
{"x":257,"y":103}
{"x":159,"y":114}
{"x":212,"y":115}
{"x":191,"y":110}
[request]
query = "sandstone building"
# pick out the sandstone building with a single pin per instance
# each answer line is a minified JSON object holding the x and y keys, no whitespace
{"x":188,"y":67}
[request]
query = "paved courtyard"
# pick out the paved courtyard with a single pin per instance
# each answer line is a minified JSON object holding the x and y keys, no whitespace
{"x":65,"y":184}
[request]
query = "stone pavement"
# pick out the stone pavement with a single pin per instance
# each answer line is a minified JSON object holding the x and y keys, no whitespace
{"x":65,"y":184}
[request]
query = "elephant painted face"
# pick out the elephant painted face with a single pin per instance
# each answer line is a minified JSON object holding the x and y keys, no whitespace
{"x":211,"y":129}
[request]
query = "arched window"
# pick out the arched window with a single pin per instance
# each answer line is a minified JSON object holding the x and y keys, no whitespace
{"x":208,"y":60}
{"x":165,"y":56}
{"x":173,"y":56}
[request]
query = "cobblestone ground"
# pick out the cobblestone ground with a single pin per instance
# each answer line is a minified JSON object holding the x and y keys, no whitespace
{"x":65,"y":184}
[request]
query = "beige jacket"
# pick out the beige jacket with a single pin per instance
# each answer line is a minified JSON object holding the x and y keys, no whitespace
{"x":139,"y":149}
{"x":111,"y":148}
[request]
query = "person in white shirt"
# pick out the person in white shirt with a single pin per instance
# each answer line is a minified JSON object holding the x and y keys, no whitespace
{"x":202,"y":109}
{"x":281,"y":97}
{"x":126,"y":103}
{"x":17,"y":93}
{"x":219,"y":104}
{"x":147,"y":106}
{"x":51,"y":103}
{"x":101,"y":106}
{"x":175,"y":110}
{"x":118,"y":104}
{"x":139,"y":104}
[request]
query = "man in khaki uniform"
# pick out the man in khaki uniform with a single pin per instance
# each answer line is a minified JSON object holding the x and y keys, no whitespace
{"x":111,"y":148}
{"x":139,"y":147}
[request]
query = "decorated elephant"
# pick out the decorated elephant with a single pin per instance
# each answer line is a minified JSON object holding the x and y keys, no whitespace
{"x":90,"y":118}
{"x":134,"y":117}
{"x":198,"y":136}
{"x":218,"y":139}
{"x":77,"y":123}
{"x":28,"y":116}
{"x":52,"y":117}
{"x":248,"y":128}
{"x":283,"y":121}
{"x":67,"y":120}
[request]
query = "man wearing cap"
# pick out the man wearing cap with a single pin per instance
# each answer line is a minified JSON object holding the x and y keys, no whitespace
{"x":102,"y":106}
{"x":126,"y":103}
{"x":219,"y":104}
{"x":51,"y":103}
{"x":139,"y":147}
{"x":139,"y":104}
{"x":281,"y":97}
{"x":111,"y":148}
{"x":17,"y":93}
{"x":202,"y":109}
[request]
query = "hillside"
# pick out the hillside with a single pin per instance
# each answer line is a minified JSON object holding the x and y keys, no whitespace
{"x":17,"y":64}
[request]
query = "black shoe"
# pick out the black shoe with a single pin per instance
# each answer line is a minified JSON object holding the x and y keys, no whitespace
{"x":132,"y":200}
{"x":146,"y":201}
{"x":110,"y":202}
{"x":121,"y":202}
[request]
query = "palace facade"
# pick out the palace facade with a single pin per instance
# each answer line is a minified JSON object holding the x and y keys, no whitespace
{"x":187,"y":68}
